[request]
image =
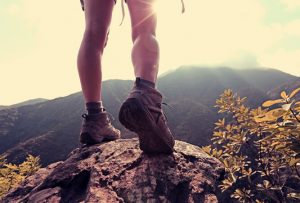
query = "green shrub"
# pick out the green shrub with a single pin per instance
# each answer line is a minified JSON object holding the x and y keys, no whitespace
{"x":260,"y":148}
{"x":11,"y":175}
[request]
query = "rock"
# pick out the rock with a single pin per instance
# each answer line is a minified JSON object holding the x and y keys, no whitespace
{"x":119,"y":171}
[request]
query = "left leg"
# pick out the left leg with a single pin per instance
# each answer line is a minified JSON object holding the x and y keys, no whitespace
{"x":96,"y":126}
{"x":98,"y":14}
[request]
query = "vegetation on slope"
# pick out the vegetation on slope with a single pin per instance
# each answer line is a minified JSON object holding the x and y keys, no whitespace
{"x":260,"y":148}
{"x":11,"y":175}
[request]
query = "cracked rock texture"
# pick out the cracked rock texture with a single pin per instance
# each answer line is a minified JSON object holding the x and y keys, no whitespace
{"x":119,"y":172}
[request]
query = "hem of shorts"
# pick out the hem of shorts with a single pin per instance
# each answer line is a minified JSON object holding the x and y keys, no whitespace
{"x":82,"y":6}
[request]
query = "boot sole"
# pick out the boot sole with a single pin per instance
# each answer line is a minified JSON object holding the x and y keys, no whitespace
{"x":85,"y":138}
{"x":135,"y":117}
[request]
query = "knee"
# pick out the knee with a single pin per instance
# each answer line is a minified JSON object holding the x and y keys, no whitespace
{"x":96,"y":37}
{"x":138,"y":34}
{"x":147,"y":40}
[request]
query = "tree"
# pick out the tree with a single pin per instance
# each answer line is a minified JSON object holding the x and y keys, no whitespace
{"x":260,"y":148}
{"x":11,"y":175}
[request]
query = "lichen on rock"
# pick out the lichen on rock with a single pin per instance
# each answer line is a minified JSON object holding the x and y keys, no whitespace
{"x":119,"y":171}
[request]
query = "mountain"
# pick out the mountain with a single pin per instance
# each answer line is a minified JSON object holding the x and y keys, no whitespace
{"x":28,"y":102}
{"x":206,"y":84}
{"x":287,"y":87}
{"x":50,"y":129}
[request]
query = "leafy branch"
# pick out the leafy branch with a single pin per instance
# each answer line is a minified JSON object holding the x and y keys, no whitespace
{"x":11,"y":175}
{"x":258,"y":148}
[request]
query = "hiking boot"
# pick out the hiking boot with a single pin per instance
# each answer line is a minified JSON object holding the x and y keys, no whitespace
{"x":141,"y":113}
{"x":97,"y":128}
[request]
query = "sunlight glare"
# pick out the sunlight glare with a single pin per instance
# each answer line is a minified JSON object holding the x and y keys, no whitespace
{"x":156,"y":5}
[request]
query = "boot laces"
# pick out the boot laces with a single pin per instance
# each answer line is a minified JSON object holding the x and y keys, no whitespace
{"x":159,"y":105}
{"x":109,"y":118}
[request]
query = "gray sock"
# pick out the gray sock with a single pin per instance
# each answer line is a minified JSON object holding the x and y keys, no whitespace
{"x":147,"y":83}
{"x":94,"y":107}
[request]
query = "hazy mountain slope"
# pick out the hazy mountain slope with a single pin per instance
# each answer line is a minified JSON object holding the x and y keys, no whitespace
{"x":265,"y":79}
{"x":40,"y":122}
{"x":288,"y":87}
{"x":28,"y":102}
{"x":50,"y":129}
{"x":206,"y":84}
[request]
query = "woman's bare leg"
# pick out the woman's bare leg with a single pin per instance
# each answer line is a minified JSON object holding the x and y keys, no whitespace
{"x":98,"y":15}
{"x":95,"y":127}
{"x":145,"y":51}
{"x":141,"y":112}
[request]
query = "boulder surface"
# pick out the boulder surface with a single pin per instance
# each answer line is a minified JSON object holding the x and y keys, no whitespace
{"x":119,"y":171}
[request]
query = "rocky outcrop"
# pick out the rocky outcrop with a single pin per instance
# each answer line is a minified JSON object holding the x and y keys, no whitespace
{"x":119,"y":172}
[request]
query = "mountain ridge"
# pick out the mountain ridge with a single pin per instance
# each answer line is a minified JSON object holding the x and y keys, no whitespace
{"x":24,"y":103}
{"x":50,"y":129}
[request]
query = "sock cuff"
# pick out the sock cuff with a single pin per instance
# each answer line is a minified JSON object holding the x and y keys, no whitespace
{"x":147,"y":83}
{"x":94,"y":107}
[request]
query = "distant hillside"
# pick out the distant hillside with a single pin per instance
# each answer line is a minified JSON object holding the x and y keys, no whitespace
{"x":206,"y":84}
{"x":50,"y":129}
{"x":288,"y":87}
{"x":28,"y":102}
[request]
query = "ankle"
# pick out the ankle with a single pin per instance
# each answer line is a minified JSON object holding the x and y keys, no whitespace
{"x":143,"y":82}
{"x":94,"y":107}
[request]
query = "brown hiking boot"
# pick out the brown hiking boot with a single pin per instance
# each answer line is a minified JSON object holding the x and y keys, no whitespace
{"x":141,"y":113}
{"x":97,"y":128}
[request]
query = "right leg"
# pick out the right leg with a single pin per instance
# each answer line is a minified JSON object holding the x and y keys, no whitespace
{"x":96,"y":125}
{"x":141,"y":112}
{"x":145,"y":51}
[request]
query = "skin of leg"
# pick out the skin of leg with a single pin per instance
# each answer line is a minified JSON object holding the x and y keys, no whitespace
{"x":98,"y":15}
{"x":145,"y":51}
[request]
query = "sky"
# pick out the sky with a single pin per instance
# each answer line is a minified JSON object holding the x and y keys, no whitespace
{"x":39,"y":41}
